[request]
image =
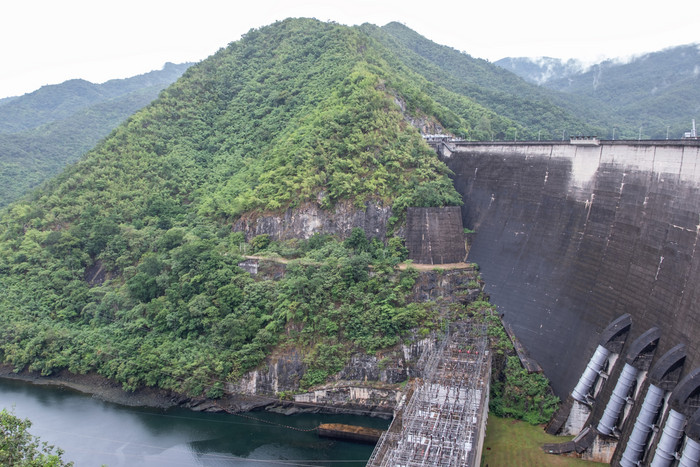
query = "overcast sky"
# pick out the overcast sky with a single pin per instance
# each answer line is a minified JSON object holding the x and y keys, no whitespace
{"x":50,"y":41}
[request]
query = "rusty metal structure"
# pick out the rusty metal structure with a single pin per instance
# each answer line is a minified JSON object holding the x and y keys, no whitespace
{"x":443,"y":422}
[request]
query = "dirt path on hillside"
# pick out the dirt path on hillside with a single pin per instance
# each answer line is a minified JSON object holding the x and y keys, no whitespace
{"x":431,"y":267}
{"x":402,"y":266}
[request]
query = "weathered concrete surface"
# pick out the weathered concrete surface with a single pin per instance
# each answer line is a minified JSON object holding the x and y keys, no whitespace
{"x":570,"y":237}
{"x":435,"y":235}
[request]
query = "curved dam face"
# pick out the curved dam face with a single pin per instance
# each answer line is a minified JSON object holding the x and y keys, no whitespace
{"x":569,"y":237}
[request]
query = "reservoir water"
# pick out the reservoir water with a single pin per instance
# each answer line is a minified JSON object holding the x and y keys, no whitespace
{"x":93,"y":432}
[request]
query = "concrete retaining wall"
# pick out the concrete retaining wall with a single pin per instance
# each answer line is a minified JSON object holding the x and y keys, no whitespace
{"x":435,"y":235}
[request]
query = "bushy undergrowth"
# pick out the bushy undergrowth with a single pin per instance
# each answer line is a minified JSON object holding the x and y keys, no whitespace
{"x":515,"y":393}
{"x":187,"y":318}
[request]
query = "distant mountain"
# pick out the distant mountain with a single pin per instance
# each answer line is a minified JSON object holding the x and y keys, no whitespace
{"x":659,"y":92}
{"x":58,"y":101}
{"x":43,"y":131}
{"x":7,"y":100}
{"x":542,"y":69}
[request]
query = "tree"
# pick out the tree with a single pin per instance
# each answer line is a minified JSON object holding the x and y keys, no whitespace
{"x":483,"y":130}
{"x":19,"y":448}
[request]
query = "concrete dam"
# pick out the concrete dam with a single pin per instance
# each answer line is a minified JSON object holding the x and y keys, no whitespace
{"x":589,"y":249}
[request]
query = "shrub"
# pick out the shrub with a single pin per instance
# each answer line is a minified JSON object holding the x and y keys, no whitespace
{"x":260,"y":242}
{"x":19,"y":447}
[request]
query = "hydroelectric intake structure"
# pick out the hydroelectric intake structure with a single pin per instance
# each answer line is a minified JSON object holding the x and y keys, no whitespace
{"x":590,"y":250}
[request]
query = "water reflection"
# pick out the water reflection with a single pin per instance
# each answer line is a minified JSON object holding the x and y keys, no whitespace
{"x":93,"y":432}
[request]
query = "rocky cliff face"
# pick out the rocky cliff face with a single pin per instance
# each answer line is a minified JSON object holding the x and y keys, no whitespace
{"x":459,"y":285}
{"x":310,"y":218}
{"x":370,"y":383}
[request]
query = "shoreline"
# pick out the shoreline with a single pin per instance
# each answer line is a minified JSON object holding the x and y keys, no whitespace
{"x":104,"y":389}
{"x":107,"y":390}
{"x":96,"y":386}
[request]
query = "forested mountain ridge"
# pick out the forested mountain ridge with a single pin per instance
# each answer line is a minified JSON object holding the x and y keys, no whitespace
{"x":43,"y":131}
{"x":126,"y":263}
{"x":659,"y":91}
{"x":55,"y":102}
{"x":536,"y":112}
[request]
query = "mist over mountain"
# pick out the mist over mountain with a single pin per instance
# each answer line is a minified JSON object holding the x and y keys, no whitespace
{"x":659,"y":92}
{"x":43,"y":131}
{"x":540,"y":70}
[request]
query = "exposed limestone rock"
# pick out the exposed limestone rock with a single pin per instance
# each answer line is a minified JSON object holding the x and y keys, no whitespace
{"x":426,"y":125}
{"x":310,"y":218}
{"x":281,"y":372}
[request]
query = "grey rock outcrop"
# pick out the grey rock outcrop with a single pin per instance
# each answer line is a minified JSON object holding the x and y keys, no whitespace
{"x":310,"y":218}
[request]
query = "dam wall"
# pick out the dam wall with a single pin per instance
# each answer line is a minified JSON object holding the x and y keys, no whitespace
{"x":571,"y":236}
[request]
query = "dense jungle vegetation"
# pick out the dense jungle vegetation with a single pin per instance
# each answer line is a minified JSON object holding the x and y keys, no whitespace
{"x":126,"y":263}
{"x":19,"y":448}
{"x":517,"y":110}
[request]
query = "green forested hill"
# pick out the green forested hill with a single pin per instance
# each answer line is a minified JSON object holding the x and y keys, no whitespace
{"x":534,"y":111}
{"x":43,"y":131}
{"x":126,"y":263}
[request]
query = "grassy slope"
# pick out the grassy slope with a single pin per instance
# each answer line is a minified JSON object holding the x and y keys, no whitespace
{"x":514,"y":443}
